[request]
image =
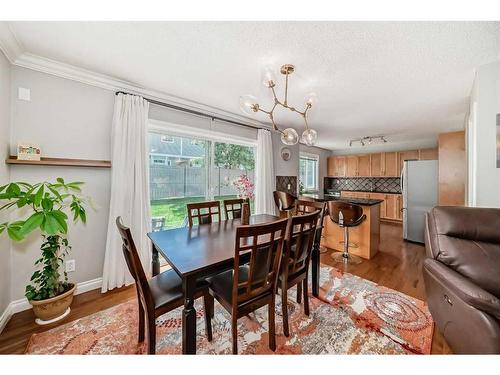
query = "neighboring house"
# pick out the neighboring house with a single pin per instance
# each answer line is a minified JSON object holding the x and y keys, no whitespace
{"x":172,"y":151}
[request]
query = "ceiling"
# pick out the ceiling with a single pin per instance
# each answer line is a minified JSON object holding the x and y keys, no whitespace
{"x":406,"y":80}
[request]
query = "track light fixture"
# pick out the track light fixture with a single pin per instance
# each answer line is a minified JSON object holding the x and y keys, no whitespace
{"x":369,"y":139}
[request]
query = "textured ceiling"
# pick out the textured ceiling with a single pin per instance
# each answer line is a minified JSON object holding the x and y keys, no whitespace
{"x":406,"y":80}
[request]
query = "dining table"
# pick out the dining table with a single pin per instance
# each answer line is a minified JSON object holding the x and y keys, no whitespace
{"x":200,"y":251}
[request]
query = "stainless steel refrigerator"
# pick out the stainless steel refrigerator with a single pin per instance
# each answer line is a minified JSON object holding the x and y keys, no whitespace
{"x":419,"y":186}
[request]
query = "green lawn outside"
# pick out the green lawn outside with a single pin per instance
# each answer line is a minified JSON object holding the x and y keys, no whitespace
{"x":174,"y":210}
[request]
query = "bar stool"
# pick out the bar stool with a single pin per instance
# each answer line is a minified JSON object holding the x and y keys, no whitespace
{"x":346,"y":215}
{"x":285,"y":202}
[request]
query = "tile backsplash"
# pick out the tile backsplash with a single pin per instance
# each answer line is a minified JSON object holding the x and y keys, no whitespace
{"x":282,"y":183}
{"x":374,"y":184}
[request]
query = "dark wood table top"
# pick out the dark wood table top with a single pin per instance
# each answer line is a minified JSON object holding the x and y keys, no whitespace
{"x":197,"y":249}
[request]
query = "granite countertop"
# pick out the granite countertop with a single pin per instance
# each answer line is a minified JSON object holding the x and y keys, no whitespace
{"x":359,"y":201}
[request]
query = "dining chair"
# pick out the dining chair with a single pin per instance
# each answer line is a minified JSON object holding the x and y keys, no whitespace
{"x":284,"y":201}
{"x":305,"y":206}
{"x":160,"y":294}
{"x":233,"y":206}
{"x":203,"y":212}
{"x":251,"y":283}
{"x":301,"y":232}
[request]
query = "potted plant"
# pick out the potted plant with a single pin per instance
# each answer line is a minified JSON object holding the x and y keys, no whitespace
{"x":46,"y":204}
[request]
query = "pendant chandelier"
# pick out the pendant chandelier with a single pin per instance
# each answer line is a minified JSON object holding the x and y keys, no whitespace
{"x":289,"y":136}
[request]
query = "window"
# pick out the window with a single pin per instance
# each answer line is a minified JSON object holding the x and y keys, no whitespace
{"x":308,"y":172}
{"x":193,"y":170}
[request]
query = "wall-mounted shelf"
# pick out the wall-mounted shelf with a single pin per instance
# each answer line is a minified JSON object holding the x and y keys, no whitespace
{"x":61,"y":162}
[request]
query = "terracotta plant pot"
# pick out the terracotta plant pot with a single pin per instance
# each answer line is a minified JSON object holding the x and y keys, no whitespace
{"x":53,"y":309}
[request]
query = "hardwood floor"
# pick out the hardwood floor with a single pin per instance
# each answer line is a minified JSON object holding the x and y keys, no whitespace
{"x":398,"y":265}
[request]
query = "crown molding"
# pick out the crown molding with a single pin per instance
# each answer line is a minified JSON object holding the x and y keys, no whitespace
{"x":9,"y":44}
{"x":67,"y":71}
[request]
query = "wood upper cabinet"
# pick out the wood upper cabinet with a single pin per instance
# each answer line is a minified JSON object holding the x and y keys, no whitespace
{"x":390,"y":164}
{"x":376,"y":166}
{"x":330,"y":166}
{"x":406,"y":155}
{"x":429,"y":154}
{"x":340,"y":166}
{"x":452,"y":169}
{"x":352,"y":166}
{"x":364,"y":165}
{"x":336,"y":166}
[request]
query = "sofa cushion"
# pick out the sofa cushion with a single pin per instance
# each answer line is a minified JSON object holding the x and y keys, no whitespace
{"x":468,"y":240}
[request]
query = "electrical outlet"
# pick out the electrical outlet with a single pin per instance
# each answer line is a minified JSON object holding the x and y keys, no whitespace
{"x":70,"y":265}
{"x":288,"y":186}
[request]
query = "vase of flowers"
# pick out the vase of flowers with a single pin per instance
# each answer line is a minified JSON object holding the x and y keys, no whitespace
{"x":244,"y":188}
{"x":46,"y":203}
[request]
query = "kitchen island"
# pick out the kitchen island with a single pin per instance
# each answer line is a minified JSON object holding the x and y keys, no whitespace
{"x":366,"y":235}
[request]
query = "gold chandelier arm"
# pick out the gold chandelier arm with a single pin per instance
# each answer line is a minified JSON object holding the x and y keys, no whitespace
{"x":286,"y":91}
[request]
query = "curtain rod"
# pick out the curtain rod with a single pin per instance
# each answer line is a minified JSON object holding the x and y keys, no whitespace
{"x":182,"y":109}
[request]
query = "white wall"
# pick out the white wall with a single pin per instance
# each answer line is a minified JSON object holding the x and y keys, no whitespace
{"x":484,"y":176}
{"x":282,"y":167}
{"x":69,"y":120}
{"x":5,"y":257}
{"x":323,"y":159}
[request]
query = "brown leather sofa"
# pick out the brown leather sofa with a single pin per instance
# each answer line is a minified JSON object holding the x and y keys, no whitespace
{"x":462,"y":276}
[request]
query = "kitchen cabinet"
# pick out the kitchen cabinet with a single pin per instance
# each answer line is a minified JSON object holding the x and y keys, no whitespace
{"x":364,"y":165}
{"x":390,"y":164}
{"x":399,"y":207}
{"x":406,"y":155}
{"x":390,"y":208}
{"x":376,"y":166}
{"x":382,"y":205}
{"x":336,"y":166}
{"x":352,"y":166}
{"x":452,"y":169}
{"x":429,"y":154}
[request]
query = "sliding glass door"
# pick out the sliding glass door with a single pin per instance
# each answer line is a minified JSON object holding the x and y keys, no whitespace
{"x":186,"y":170}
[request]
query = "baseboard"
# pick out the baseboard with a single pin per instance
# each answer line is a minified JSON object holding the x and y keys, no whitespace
{"x":4,"y":318}
{"x":23,"y":304}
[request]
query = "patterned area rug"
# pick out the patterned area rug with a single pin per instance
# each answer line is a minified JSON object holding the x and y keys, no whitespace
{"x":352,"y":316}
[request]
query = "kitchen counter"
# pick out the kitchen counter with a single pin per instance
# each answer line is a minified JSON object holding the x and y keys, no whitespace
{"x":366,"y":235}
{"x":325,"y":197}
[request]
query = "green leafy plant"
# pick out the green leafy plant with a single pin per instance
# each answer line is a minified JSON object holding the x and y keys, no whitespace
{"x":47,"y":203}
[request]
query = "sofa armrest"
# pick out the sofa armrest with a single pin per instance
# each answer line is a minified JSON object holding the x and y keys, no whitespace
{"x":465,"y":289}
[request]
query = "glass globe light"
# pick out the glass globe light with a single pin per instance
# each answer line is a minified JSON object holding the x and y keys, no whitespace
{"x":289,"y":137}
{"x":268,"y":78}
{"x":248,"y":104}
{"x":311,"y":99}
{"x":309,"y":137}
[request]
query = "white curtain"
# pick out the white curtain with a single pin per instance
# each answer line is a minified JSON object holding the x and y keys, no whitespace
{"x":264,"y":174}
{"x":129,"y":188}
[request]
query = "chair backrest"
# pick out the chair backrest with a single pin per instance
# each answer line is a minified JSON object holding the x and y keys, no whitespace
{"x":301,"y":232}
{"x":345,"y":214}
{"x":264,"y":242}
{"x":283,"y":200}
{"x":304,"y":207}
{"x":234,"y":206}
{"x":203,"y":212}
{"x":134,"y":265}
{"x":157,"y":223}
